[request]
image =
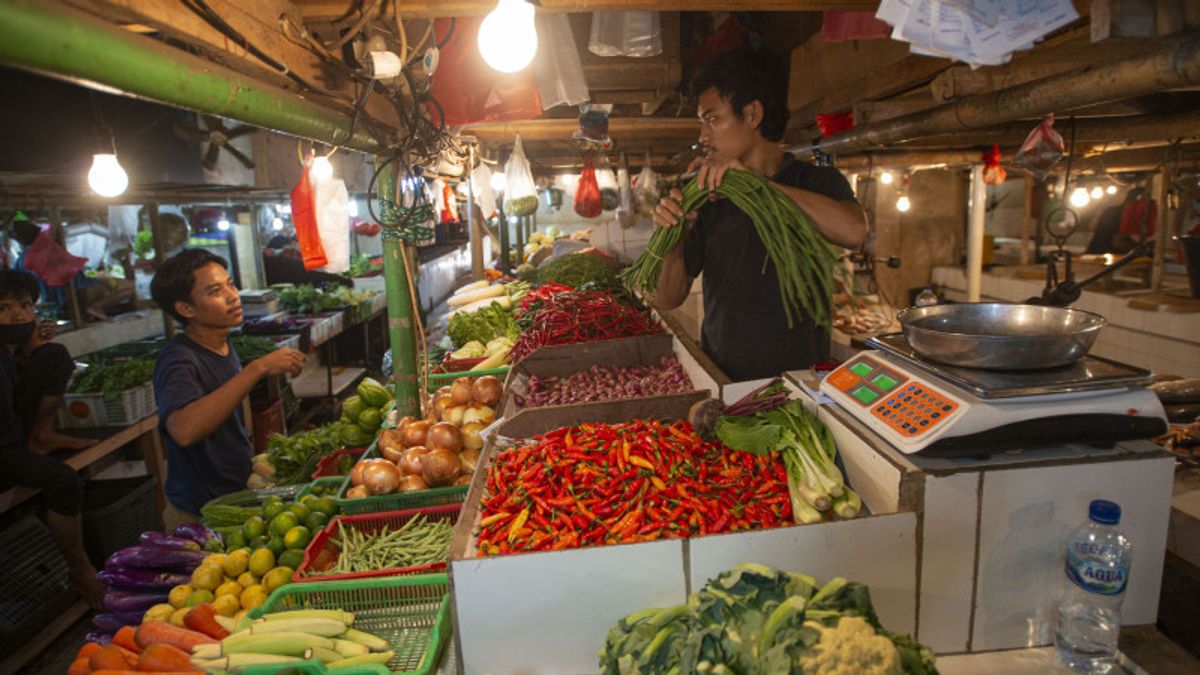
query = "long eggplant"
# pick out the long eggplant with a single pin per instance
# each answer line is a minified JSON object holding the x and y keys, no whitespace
{"x":155,"y":558}
{"x":159,"y":539}
{"x":204,"y":537}
{"x":142,"y":581}
{"x":126,"y":602}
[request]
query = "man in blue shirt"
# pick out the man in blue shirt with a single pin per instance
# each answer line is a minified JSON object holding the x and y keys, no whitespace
{"x":199,"y":384}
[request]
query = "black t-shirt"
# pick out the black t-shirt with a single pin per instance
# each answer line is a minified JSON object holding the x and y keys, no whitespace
{"x":10,"y":424}
{"x":45,"y":372}
{"x":745,"y":329}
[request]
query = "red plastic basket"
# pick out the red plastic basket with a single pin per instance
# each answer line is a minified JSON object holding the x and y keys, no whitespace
{"x":328,"y":466}
{"x":322,"y":552}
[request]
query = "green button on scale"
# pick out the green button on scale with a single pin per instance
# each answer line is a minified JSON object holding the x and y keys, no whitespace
{"x":861,"y":369}
{"x":884,"y":382}
{"x":866,"y":396}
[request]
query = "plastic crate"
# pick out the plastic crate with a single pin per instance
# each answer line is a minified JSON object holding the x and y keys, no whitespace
{"x":397,"y":501}
{"x":330,"y":483}
{"x":322,"y":552}
{"x":95,"y":410}
{"x":328,"y":467}
{"x":314,"y":667}
{"x":116,"y":512}
{"x":412,"y":613}
{"x":34,"y":588}
{"x":438,"y":379}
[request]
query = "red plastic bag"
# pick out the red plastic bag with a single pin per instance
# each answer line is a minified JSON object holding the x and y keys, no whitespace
{"x":993,"y":173}
{"x":50,"y":261}
{"x":834,"y":123}
{"x":1041,"y":150}
{"x":469,"y":90}
{"x":587,"y":195}
{"x":1139,"y":217}
{"x":304,"y":218}
{"x":449,"y":205}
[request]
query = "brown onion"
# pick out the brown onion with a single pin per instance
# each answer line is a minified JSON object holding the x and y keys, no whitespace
{"x":487,"y":390}
{"x":410,"y":460}
{"x":440,"y":403}
{"x":412,"y":483}
{"x":454,"y":414}
{"x":381,"y":477}
{"x":356,"y":473}
{"x":462,"y":480}
{"x":392,"y":437}
{"x":404,"y":421}
{"x":414,"y":433}
{"x":357,"y":492}
{"x":439,"y":467}
{"x":460,"y":391}
{"x":471,"y":436}
{"x":391,"y":453}
{"x":444,"y":435}
{"x":469,"y":459}
{"x":478,"y":412}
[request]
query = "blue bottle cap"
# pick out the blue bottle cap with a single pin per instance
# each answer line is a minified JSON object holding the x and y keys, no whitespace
{"x":1104,"y":512}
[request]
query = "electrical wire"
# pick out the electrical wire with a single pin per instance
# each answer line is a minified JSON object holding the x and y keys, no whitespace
{"x":358,"y":26}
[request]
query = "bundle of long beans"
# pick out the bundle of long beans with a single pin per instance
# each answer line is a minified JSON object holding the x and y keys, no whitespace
{"x":803,"y":259}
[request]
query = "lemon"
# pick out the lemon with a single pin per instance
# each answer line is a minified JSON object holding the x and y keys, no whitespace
{"x":253,"y":597}
{"x":227,"y":605}
{"x":291,"y":558}
{"x":261,"y":562}
{"x":177,"y":617}
{"x":199,"y":597}
{"x":276,"y":578}
{"x":213,"y":559}
{"x":283,"y":522}
{"x":247,"y":579}
{"x":235,"y":563}
{"x":255,"y":526}
{"x":228,"y":588}
{"x":207,"y":577}
{"x":159,"y":612}
{"x":297,"y":538}
{"x":179,"y":595}
{"x":240,"y":613}
{"x":300,"y":511}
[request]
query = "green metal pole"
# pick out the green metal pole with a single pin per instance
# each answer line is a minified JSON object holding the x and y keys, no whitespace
{"x":55,"y":40}
{"x":400,"y":310}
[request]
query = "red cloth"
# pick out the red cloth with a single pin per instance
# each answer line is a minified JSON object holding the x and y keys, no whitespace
{"x":835,"y":123}
{"x":304,"y":219}
{"x":1132,"y":215}
{"x":846,"y":26}
{"x":469,"y":90}
{"x":50,"y":261}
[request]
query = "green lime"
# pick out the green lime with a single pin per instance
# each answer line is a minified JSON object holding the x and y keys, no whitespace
{"x":275,"y":543}
{"x":315,"y":521}
{"x":258,"y":542}
{"x":300,"y":510}
{"x":297,"y":538}
{"x":326,"y":505}
{"x":234,"y":541}
{"x":272,"y":507}
{"x":291,"y":558}
{"x":254,"y":527}
{"x":283,"y":522}
{"x":199,"y":597}
{"x":308,"y":500}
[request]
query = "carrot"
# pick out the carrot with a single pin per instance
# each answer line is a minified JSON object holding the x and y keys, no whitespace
{"x":161,"y":632}
{"x":110,"y":657}
{"x":88,"y":648}
{"x":202,"y":619}
{"x":80,"y":666}
{"x":125,"y":638}
{"x":164,"y":658}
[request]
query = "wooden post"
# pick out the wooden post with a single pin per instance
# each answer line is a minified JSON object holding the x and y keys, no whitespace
{"x":159,"y":254}
{"x":1162,"y":227}
{"x":474,"y":229}
{"x":1027,"y":221}
{"x":975,"y":223}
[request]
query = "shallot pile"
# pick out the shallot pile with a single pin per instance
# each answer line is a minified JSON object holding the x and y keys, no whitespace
{"x":606,"y":383}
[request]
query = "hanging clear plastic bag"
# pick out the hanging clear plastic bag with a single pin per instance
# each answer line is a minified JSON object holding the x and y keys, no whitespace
{"x":610,"y":198}
{"x":645,"y":188}
{"x":557,"y":69}
{"x":587,"y":194}
{"x":593,"y":123}
{"x":481,"y":189}
{"x":626,"y":212}
{"x":332,"y":203}
{"x":520,"y":192}
{"x":1041,"y":150}
{"x":635,"y":34}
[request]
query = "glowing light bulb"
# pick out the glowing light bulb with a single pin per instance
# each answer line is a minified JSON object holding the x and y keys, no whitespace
{"x":284,"y":209}
{"x":277,"y":223}
{"x":498,"y":182}
{"x":507,"y":36}
{"x":1097,"y":192}
{"x":352,"y":208}
{"x":222,"y":225}
{"x":1111,"y":189}
{"x":106,"y":177}
{"x":886,"y":178}
{"x":903,"y":204}
{"x":1079,"y":198}
{"x":321,"y":168}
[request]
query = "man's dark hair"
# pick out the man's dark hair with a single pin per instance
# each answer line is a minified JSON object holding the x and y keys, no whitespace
{"x":746,"y":75}
{"x":173,"y":281}
{"x":15,"y":284}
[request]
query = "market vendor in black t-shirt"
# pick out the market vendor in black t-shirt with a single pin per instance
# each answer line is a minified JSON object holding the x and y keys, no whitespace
{"x":743,"y":115}
{"x":199,"y":384}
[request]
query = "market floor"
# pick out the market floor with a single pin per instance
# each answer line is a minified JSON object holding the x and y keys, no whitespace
{"x":1170,"y":648}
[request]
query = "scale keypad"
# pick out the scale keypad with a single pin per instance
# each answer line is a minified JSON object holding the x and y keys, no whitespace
{"x":908,"y":406}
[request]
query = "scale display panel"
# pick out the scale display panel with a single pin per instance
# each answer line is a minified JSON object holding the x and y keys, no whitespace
{"x":907,"y":405}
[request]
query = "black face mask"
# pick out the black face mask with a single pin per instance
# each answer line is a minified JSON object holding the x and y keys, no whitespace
{"x":17,"y":333}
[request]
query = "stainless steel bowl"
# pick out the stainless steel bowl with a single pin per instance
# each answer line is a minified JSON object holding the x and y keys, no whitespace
{"x":999,"y":336}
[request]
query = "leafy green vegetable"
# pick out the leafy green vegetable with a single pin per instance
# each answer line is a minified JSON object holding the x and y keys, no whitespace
{"x":295,"y":457}
{"x":251,"y":347}
{"x":482,"y":325}
{"x":307,"y":299}
{"x":112,"y":379}
{"x":360,"y":266}
{"x":575,"y":270}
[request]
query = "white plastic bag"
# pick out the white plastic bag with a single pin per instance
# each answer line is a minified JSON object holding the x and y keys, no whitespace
{"x":626,"y":213}
{"x":557,"y":69}
{"x":520,"y":192}
{"x":645,"y":190}
{"x":625,"y":34}
{"x":610,"y":196}
{"x":481,"y":189}
{"x":332,"y":204}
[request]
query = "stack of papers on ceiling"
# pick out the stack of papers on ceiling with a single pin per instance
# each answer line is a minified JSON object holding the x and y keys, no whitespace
{"x":978,"y":32}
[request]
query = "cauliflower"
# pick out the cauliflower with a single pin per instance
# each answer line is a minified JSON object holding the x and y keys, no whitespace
{"x":852,"y":648}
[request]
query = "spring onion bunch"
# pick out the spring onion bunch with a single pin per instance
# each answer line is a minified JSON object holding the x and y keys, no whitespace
{"x":803,"y":260}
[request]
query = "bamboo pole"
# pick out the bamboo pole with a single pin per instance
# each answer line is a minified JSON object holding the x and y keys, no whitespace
{"x":474,"y":231}
{"x":401,"y":313}
{"x":1162,"y":228}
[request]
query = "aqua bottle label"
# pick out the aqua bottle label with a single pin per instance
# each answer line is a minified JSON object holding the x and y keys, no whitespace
{"x":1096,"y":577}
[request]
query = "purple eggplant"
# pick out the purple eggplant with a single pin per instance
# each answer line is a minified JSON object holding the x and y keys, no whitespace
{"x":110,"y":623}
{"x":201,"y":535}
{"x":160,"y":539}
{"x":142,"y":581}
{"x":126,"y":602}
{"x":155,"y":558}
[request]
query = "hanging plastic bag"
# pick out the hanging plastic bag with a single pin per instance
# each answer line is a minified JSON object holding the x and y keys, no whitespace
{"x":520,"y":192}
{"x":332,"y":203}
{"x":50,"y":261}
{"x":610,"y":198}
{"x":1041,"y":150}
{"x":304,"y":219}
{"x":593,"y":123}
{"x":635,"y":34}
{"x":645,"y":189}
{"x":993,"y":173}
{"x":481,"y":189}
{"x":626,"y":212}
{"x":557,"y":68}
{"x":449,"y":211}
{"x":587,"y":194}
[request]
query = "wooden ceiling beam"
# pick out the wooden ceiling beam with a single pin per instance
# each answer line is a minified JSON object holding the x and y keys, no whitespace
{"x":326,"y":10}
{"x":666,"y":129}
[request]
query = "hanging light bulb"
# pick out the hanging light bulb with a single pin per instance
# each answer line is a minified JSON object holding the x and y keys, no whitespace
{"x":507,"y":36}
{"x":223,"y":224}
{"x":277,"y":223}
{"x":284,"y":209}
{"x":321,"y":168}
{"x":1111,"y":189}
{"x":1097,"y":192}
{"x":903,"y":204}
{"x":499,"y":182}
{"x":352,"y":208}
{"x":886,"y":178}
{"x":106,"y":177}
{"x":1080,"y":198}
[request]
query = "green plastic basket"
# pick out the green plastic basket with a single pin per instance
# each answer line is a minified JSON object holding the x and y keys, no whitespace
{"x":313,"y":667}
{"x":326,"y":482}
{"x":397,"y":501}
{"x":438,"y":379}
{"x":412,"y":613}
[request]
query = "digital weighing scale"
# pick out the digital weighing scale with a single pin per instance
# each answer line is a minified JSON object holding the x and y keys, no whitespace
{"x":938,"y":410}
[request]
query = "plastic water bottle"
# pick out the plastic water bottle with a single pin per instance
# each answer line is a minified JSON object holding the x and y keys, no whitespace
{"x":1089,"y":614}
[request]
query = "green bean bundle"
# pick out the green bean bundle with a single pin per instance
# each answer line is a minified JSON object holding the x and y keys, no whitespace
{"x":803,"y":259}
{"x":418,"y":542}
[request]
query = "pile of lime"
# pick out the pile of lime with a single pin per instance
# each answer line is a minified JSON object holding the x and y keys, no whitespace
{"x":284,"y":529}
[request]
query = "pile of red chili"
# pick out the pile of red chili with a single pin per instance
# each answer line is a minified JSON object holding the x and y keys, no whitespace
{"x":581,"y":316}
{"x":620,"y":483}
{"x":540,"y":295}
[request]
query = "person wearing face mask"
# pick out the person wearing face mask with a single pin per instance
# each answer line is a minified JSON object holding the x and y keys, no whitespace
{"x":743,"y":114}
{"x":199,"y":384}
{"x":60,"y":486}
